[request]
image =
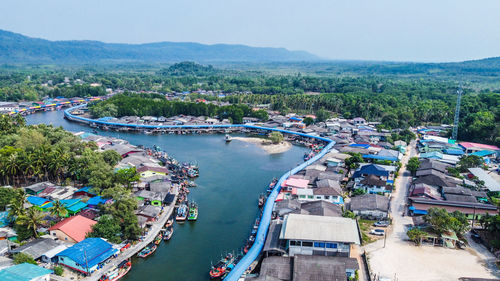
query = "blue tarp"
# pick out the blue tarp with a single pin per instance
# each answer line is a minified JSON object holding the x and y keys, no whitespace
{"x":361,"y":145}
{"x":417,"y":211}
{"x":378,"y":157}
{"x":91,"y":250}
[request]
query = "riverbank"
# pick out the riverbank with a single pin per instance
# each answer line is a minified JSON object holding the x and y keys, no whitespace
{"x":267,"y":145}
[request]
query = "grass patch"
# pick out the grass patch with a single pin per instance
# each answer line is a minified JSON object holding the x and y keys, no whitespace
{"x":365,"y":225}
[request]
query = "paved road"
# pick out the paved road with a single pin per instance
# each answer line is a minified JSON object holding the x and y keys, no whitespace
{"x":153,"y":232}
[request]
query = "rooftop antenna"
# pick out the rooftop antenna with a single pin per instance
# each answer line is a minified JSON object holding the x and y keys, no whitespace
{"x":457,"y":113}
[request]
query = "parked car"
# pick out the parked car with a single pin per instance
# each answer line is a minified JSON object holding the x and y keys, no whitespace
{"x":381,"y":224}
{"x":379,"y":232}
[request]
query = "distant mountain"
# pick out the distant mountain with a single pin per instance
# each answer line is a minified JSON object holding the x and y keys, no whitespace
{"x":17,"y":48}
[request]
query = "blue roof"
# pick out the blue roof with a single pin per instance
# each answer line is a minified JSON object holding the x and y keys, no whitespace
{"x":85,"y":189}
{"x":378,"y":157}
{"x":70,"y":202}
{"x":23,"y":272}
{"x":37,"y":201}
{"x":483,"y":153}
{"x":371,"y":169}
{"x":295,"y":118}
{"x":451,"y":151}
{"x":105,"y":118}
{"x":96,"y":250}
{"x":94,"y":201}
{"x":77,"y":207}
{"x":434,"y":155}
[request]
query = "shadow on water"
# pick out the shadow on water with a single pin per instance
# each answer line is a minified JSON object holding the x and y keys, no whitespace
{"x":231,"y":178}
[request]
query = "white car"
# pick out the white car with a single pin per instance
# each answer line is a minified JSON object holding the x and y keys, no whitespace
{"x":379,"y":232}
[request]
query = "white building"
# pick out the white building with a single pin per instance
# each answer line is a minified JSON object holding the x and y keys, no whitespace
{"x":319,"y":235}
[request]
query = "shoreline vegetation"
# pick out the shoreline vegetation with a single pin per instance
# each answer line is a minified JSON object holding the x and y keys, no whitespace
{"x":267,"y":145}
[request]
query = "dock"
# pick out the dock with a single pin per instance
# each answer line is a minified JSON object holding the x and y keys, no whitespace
{"x":134,"y":249}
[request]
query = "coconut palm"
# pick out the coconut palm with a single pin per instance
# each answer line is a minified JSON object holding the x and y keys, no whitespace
{"x":16,"y":206}
{"x":31,"y":220}
{"x":58,"y":209}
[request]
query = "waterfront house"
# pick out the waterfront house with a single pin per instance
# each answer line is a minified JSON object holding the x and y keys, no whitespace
{"x":155,"y":198}
{"x":291,"y":183}
{"x":87,"y":256}
{"x":123,"y":149}
{"x":150,"y":212}
{"x":72,"y":229}
{"x":371,"y":206}
{"x":319,"y":235}
{"x":148,"y":171}
{"x":313,"y":194}
{"x":25,"y":272}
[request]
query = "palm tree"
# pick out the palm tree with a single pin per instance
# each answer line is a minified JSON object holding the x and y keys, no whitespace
{"x":20,"y":121}
{"x":12,"y":166}
{"x":32,"y":219}
{"x":58,"y":209}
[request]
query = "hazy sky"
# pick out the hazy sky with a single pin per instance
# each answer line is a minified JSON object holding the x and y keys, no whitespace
{"x":400,"y":30}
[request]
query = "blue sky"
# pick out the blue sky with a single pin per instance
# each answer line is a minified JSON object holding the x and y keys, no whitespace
{"x":391,"y":30}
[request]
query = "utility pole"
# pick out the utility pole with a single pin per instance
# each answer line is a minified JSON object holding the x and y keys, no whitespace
{"x":457,"y":113}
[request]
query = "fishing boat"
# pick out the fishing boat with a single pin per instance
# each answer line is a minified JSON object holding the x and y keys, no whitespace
{"x":170,"y":222}
{"x":228,"y":138}
{"x":118,"y":272}
{"x":182,"y":213}
{"x":158,"y":239}
{"x":168,"y":233}
{"x":193,"y":212}
{"x":220,"y":269}
{"x":192,"y":184}
{"x":148,"y":250}
{"x":262,"y":200}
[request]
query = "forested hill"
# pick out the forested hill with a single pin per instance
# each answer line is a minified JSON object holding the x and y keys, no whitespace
{"x":19,"y":49}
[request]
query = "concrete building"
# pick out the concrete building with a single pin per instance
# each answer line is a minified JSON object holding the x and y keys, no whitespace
{"x":319,"y":235}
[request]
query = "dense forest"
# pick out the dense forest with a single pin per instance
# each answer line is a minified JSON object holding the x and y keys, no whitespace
{"x":396,"y":102}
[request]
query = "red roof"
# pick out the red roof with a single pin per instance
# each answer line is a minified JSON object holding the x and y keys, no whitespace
{"x":468,"y":145}
{"x":299,"y":183}
{"x":75,"y":227}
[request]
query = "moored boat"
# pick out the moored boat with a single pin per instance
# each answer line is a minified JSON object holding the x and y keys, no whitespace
{"x":193,"y":211}
{"x":118,"y":272}
{"x":182,"y":213}
{"x":221,"y":268}
{"x":170,"y":222}
{"x":148,"y":250}
{"x":158,"y":238}
{"x":168,"y":233}
{"x":262,"y":200}
{"x":228,"y":138}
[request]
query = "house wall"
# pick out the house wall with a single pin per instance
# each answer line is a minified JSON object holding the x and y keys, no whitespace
{"x":451,"y":209}
{"x":371,"y":214}
{"x":318,"y":248}
{"x":146,"y":174}
{"x":73,"y":265}
{"x":62,"y":236}
{"x":309,"y":197}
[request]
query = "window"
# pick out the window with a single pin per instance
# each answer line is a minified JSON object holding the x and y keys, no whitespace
{"x":319,"y":244}
{"x":307,"y":244}
{"x":294,"y":243}
{"x":327,"y":197}
{"x":310,"y":197}
{"x":331,"y":245}
{"x":302,"y":196}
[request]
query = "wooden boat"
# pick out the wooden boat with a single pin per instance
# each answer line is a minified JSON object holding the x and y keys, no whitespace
{"x":168,"y":233}
{"x":118,"y":272}
{"x":228,"y":138}
{"x":158,"y":239}
{"x":182,"y":213}
{"x":262,"y":200}
{"x":193,"y":212}
{"x":147,"y":251}
{"x":170,"y":222}
{"x":220,"y":269}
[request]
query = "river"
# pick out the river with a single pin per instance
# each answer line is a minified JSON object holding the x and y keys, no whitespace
{"x":231,"y":178}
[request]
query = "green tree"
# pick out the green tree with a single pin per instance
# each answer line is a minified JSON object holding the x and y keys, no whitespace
{"x":127,"y":176}
{"x":276,"y":137}
{"x":416,"y":235}
{"x":31,"y":220}
{"x":111,"y":157}
{"x":469,"y":161}
{"x":108,"y":228}
{"x":58,"y":270}
{"x":322,"y":115}
{"x":353,"y":161}
{"x":23,"y":258}
{"x":308,"y":121}
{"x":58,"y":209}
{"x":413,"y":165}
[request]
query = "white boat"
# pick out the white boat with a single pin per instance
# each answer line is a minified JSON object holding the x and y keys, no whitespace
{"x":228,"y":138}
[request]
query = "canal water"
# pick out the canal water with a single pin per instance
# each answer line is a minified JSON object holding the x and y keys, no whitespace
{"x":231,"y":178}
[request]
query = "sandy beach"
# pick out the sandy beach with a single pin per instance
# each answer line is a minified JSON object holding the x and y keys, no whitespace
{"x":266,"y":145}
